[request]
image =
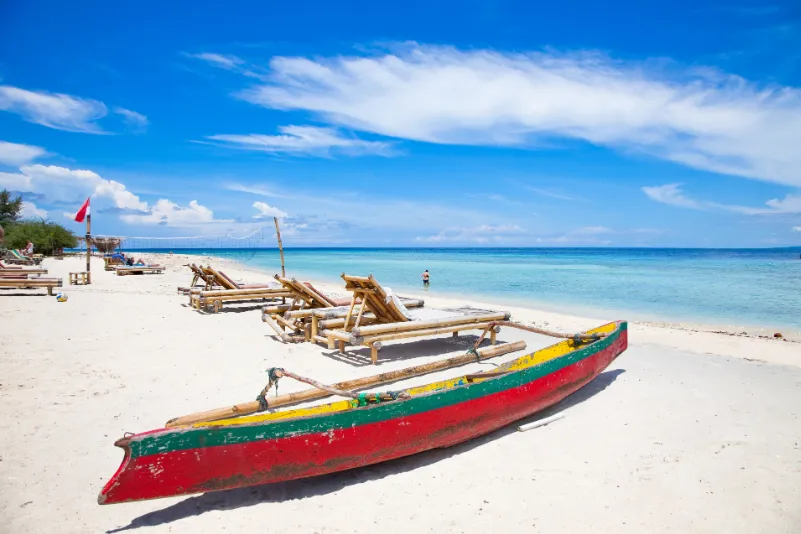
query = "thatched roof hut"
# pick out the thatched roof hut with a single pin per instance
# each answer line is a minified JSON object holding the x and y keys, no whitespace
{"x":106,"y":245}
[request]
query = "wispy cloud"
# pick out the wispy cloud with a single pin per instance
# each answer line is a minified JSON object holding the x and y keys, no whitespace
{"x":796,"y":228}
{"x":697,"y":117}
{"x":56,"y":110}
{"x":14,"y":154}
{"x":304,"y":140}
{"x":134,"y":120}
{"x":549,"y":194}
{"x":220,"y":60}
{"x":672,"y":194}
{"x":484,"y":234}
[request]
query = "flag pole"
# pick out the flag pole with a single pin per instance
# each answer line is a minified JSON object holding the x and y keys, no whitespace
{"x":89,"y":247}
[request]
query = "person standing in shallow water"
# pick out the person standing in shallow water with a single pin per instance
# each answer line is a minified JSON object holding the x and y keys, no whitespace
{"x":426,"y":278}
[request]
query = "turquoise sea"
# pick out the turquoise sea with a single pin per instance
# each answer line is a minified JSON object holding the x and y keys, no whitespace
{"x":747,"y":287}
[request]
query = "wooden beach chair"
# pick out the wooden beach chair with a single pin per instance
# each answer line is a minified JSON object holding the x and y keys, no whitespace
{"x":123,"y":270}
{"x":28,"y":283}
{"x":306,"y":300}
{"x":198,"y":275}
{"x":232,"y":291}
{"x":391,"y":320}
{"x":109,"y":262}
{"x":16,"y":256}
{"x":6,"y":272}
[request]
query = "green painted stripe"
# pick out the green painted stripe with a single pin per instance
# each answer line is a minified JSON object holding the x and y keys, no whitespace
{"x":175,"y":440}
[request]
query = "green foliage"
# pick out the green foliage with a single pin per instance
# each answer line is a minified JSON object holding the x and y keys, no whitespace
{"x":9,"y":208}
{"x":47,"y":236}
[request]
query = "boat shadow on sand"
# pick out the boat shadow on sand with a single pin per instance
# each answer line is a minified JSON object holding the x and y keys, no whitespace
{"x":325,"y":484}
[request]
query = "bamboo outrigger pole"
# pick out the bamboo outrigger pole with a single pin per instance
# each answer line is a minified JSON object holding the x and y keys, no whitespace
{"x":88,"y":246}
{"x":280,"y":246}
{"x":251,"y":407}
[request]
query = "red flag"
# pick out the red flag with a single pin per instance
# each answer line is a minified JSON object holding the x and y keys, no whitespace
{"x":83,"y":212}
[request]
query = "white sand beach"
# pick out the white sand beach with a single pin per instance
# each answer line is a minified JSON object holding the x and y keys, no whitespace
{"x":687,"y":431}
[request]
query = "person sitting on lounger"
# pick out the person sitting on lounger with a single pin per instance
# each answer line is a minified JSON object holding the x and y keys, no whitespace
{"x":28,"y":250}
{"x":140,"y":262}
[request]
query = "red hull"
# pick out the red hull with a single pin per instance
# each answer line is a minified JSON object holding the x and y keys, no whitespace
{"x":257,"y":462}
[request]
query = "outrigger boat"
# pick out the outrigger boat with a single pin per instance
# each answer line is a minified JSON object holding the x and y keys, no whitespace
{"x":207,"y":455}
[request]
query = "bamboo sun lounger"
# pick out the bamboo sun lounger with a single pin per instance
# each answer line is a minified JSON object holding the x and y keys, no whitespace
{"x":16,"y":256}
{"x":392,"y":320}
{"x":209,"y":281}
{"x":110,"y":263}
{"x":27,"y":283}
{"x":6,"y":272}
{"x":232,"y":291}
{"x":297,"y":316}
{"x":123,"y":270}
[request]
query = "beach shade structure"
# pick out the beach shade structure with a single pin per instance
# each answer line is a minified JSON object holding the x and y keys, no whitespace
{"x":231,"y":290}
{"x":106,"y":245}
{"x":306,"y":299}
{"x":30,"y":283}
{"x":391,"y":320}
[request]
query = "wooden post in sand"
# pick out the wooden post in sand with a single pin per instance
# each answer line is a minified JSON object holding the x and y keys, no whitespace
{"x":280,"y":246}
{"x":88,"y":247}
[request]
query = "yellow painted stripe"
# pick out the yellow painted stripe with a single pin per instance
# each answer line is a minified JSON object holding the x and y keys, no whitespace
{"x":530,"y":360}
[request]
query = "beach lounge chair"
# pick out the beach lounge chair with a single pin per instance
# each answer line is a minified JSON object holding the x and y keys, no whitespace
{"x":6,"y":272}
{"x":16,"y":256}
{"x":112,"y":260}
{"x":393,"y":320}
{"x":208,"y":281}
{"x":123,"y":270}
{"x":306,"y":299}
{"x":232,"y":291}
{"x":26,"y":283}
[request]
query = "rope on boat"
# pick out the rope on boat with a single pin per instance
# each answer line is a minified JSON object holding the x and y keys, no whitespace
{"x":578,"y":339}
{"x":275,"y":373}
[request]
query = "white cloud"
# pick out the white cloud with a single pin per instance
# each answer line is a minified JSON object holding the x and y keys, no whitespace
{"x":60,"y":111}
{"x":588,"y":235}
{"x":219,"y":60}
{"x":550,"y":194}
{"x":15,"y":154}
{"x":592,"y":230}
{"x":486,"y":233}
{"x":694,"y":116}
{"x":171,"y":214}
{"x":796,"y":228}
{"x":672,"y":195}
{"x":134,"y":120}
{"x":54,"y":110}
{"x":29,"y":210}
{"x":265,"y":211}
{"x":304,"y":140}
{"x":60,"y":184}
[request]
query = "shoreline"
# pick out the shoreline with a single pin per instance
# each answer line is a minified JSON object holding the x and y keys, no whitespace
{"x":549,"y":316}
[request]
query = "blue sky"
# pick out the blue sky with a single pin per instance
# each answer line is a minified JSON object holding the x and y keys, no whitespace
{"x":436,"y":123}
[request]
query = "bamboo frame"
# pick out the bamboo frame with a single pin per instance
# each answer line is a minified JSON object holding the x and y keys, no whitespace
{"x":21,"y":272}
{"x":357,"y":384}
{"x":16,"y":283}
{"x":389,"y":322}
